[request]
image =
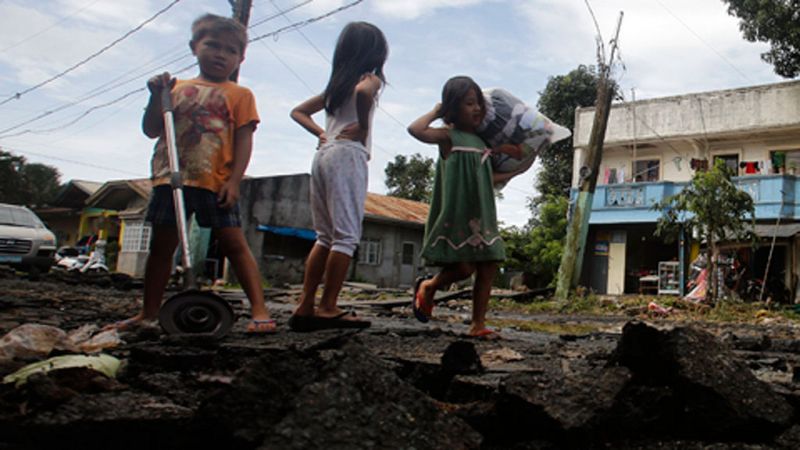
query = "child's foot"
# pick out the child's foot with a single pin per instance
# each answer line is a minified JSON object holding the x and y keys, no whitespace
{"x":262,"y":326}
{"x":127,"y":324}
{"x":422,"y":303}
{"x":484,"y":333}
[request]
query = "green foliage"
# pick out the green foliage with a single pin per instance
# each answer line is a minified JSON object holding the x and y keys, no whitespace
{"x":410,"y":178}
{"x":712,"y":205}
{"x":22,"y":183}
{"x":776,"y":22}
{"x":537,"y":247}
{"x":562,"y":95}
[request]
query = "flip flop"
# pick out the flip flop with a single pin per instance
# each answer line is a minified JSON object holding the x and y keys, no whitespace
{"x":338,"y":321}
{"x":302,"y":324}
{"x":485,"y":334}
{"x":261,"y":327}
{"x":421,"y":316}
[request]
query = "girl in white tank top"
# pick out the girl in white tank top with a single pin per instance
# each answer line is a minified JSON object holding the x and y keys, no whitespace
{"x":339,"y":172}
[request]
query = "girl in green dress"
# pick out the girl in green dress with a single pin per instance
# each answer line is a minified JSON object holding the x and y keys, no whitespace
{"x":461,"y":233}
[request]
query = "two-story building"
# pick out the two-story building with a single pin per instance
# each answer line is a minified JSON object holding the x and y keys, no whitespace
{"x":652,"y":149}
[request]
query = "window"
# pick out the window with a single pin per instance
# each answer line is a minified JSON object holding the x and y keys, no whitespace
{"x":731,"y":162}
{"x":646,"y":170}
{"x":408,"y":254}
{"x":369,"y":252}
{"x":136,"y":237}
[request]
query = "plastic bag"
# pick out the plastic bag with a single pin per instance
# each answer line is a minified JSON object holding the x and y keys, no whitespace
{"x":30,"y":340}
{"x":105,"y":364}
{"x":509,"y":120}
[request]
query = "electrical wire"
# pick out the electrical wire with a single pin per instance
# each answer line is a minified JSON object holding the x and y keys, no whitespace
{"x":293,"y":26}
{"x":305,"y":23}
{"x":727,"y":61}
{"x":43,"y":30}
{"x":72,"y":161}
{"x":90,"y":57}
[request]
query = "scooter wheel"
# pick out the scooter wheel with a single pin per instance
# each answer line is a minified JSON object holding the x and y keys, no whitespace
{"x":196,"y":312}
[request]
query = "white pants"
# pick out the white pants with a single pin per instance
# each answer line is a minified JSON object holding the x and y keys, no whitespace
{"x":338,"y":192}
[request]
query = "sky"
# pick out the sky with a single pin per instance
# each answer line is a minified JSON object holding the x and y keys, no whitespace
{"x":86,"y":122}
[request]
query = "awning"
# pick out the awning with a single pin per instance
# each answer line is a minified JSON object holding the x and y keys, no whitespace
{"x":301,"y":233}
{"x":784,"y":230}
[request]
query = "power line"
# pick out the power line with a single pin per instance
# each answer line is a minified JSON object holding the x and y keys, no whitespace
{"x":72,"y":161}
{"x":293,"y":26}
{"x":306,"y":22}
{"x":43,"y":30}
{"x":84,"y":114}
{"x":90,"y":57}
{"x":268,"y":18}
{"x":727,"y":61}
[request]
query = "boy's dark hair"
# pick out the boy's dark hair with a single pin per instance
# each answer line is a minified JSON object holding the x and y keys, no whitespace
{"x":214,"y":24}
{"x":453,"y":93}
{"x":361,"y":49}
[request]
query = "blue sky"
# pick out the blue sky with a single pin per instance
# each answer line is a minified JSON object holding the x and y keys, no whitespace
{"x":668,"y":47}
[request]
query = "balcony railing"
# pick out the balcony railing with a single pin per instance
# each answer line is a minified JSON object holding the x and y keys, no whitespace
{"x":773,"y":195}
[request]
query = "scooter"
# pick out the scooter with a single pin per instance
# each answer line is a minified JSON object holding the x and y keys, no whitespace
{"x":192,"y":311}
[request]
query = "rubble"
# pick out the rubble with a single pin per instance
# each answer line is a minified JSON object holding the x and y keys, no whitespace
{"x":401,"y":384}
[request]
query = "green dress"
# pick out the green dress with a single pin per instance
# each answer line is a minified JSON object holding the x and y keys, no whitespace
{"x":462,"y":222}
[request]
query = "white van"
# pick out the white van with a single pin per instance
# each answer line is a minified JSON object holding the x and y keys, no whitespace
{"x":25,"y":242}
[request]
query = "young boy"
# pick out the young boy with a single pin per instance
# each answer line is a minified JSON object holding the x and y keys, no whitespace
{"x":214,"y":123}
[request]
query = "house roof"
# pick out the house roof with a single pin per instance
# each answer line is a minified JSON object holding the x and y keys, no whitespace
{"x":75,"y":193}
{"x":117,"y":194}
{"x":384,"y":207}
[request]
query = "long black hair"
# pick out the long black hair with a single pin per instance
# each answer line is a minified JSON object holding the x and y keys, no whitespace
{"x":454,"y":92}
{"x":361,"y":49}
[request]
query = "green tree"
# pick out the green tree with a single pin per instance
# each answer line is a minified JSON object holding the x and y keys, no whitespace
{"x":562,"y":95}
{"x":410,"y":178}
{"x":22,"y":183}
{"x":537,"y":247}
{"x":42,"y":183}
{"x":715,"y":207}
{"x":776,"y":22}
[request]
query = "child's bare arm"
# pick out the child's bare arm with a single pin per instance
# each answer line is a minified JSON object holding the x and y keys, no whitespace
{"x":242,"y":149}
{"x":501,"y":177}
{"x":422,"y":130}
{"x":302,"y":115}
{"x":366,"y":89}
{"x":152,"y":121}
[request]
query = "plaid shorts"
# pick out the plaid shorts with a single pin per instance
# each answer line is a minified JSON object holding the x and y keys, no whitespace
{"x":201,"y":202}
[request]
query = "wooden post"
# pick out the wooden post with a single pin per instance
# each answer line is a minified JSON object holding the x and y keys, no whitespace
{"x":574,"y":247}
{"x":241,"y":12}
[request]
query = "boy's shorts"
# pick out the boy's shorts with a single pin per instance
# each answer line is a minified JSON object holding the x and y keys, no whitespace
{"x":202,"y":202}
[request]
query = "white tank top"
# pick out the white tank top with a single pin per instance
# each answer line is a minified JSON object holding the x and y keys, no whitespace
{"x":345,"y":115}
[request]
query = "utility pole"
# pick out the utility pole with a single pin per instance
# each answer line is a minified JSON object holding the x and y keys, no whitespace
{"x":241,"y":12}
{"x":574,"y":248}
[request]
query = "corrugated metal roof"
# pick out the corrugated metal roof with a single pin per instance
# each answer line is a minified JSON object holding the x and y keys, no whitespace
{"x":393,"y":208}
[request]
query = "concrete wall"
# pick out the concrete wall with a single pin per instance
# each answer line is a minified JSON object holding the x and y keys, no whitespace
{"x":706,"y":114}
{"x":389,"y":273}
{"x":284,"y":201}
{"x":131,"y":263}
{"x":279,"y":201}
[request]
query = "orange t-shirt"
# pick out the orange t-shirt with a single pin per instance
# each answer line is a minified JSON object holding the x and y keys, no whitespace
{"x":206,"y":117}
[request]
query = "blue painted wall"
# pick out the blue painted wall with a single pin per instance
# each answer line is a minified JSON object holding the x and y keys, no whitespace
{"x":774,"y":195}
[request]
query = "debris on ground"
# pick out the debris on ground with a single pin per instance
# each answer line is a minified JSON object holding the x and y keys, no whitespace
{"x":587,"y":381}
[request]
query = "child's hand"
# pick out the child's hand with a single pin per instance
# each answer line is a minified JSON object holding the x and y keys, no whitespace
{"x":322,"y":140}
{"x":437,"y":111}
{"x":228,"y":194}
{"x":158,"y":82}
{"x":354,"y":132}
{"x":512,"y":150}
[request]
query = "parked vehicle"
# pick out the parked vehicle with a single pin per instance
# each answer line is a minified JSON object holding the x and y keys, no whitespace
{"x":25,"y":242}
